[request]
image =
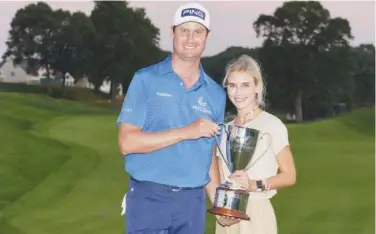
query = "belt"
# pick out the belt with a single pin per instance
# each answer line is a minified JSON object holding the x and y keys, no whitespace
{"x":165,"y":186}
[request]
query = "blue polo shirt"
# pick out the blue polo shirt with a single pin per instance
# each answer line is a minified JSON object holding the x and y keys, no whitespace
{"x":156,"y":101}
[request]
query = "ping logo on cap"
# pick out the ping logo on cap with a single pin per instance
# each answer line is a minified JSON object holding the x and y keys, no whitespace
{"x":193,"y":12}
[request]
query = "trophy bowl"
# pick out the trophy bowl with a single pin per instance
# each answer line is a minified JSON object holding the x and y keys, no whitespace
{"x":237,"y":151}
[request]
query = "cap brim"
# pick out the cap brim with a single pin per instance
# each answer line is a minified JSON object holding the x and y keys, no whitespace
{"x":175,"y":25}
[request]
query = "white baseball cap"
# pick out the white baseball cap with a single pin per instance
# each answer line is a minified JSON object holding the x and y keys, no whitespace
{"x":192,"y":12}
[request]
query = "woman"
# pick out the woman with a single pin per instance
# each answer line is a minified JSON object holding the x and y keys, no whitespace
{"x":245,"y":89}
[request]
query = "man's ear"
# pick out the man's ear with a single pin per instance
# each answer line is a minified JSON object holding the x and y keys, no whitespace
{"x":172,"y":29}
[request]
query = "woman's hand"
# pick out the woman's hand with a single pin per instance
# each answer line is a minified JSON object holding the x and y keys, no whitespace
{"x":226,"y":221}
{"x":241,"y":178}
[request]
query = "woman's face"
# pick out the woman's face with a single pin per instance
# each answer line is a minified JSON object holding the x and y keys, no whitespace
{"x":241,"y":90}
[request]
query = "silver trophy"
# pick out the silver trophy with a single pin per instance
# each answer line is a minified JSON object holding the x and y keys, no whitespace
{"x":239,"y":151}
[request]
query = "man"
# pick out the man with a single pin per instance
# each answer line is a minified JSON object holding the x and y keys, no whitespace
{"x":168,"y":124}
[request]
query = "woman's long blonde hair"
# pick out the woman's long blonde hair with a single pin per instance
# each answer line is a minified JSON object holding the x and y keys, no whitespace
{"x":247,"y":64}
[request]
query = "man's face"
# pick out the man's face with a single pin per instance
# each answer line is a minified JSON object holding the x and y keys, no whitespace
{"x":189,"y":40}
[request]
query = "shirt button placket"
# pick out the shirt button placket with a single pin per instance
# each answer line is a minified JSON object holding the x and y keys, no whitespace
{"x":183,"y":91}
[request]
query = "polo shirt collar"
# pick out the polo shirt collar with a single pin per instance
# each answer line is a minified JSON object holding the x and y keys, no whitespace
{"x":166,"y":68}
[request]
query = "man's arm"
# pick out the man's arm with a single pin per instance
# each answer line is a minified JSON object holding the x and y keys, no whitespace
{"x":214,"y":177}
{"x":133,"y":140}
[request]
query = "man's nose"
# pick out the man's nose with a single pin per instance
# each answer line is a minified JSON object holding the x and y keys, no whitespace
{"x":190,"y":37}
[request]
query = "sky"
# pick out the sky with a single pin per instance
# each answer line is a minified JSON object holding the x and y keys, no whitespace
{"x":231,"y":21}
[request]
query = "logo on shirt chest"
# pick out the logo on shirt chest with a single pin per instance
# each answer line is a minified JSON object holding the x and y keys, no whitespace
{"x":201,"y":106}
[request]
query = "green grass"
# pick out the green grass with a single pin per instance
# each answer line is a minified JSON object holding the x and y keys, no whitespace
{"x":61,"y":173}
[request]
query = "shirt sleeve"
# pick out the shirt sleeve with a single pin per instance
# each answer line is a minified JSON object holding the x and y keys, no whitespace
{"x":280,"y":137}
{"x":133,"y":110}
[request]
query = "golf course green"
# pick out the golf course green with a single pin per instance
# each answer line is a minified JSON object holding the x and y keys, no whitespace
{"x":61,"y":172}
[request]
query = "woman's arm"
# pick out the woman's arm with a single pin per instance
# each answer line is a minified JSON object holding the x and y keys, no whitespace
{"x":286,"y":176}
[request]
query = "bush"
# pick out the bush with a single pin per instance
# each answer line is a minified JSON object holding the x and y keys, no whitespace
{"x":55,"y":91}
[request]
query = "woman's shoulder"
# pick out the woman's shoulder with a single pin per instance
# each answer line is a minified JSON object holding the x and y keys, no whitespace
{"x":266,"y":118}
{"x":271,"y":119}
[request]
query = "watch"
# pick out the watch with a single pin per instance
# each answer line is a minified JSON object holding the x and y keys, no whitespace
{"x":259,"y":185}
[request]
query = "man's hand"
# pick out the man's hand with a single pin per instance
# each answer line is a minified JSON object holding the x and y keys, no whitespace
{"x":201,"y":128}
{"x":226,"y":221}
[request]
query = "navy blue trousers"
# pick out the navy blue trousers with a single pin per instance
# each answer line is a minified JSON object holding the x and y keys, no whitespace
{"x":158,"y":209}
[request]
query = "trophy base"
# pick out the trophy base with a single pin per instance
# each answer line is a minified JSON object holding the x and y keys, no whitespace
{"x":230,"y":202}
{"x":229,"y":213}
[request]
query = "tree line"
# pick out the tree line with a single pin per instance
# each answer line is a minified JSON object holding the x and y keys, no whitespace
{"x":308,"y":63}
{"x":110,"y":44}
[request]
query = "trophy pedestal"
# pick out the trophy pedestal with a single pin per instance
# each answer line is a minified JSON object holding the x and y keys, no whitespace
{"x":228,"y":212}
{"x":230,"y":202}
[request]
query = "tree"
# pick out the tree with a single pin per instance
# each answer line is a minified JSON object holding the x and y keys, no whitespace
{"x":296,"y":37}
{"x":145,"y":50}
{"x":363,"y":58}
{"x":31,"y":35}
{"x":54,"y":40}
{"x":70,"y":51}
{"x":125,"y":41}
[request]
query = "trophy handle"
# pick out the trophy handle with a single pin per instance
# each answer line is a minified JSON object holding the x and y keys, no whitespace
{"x":266,"y":149}
{"x":222,"y":126}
